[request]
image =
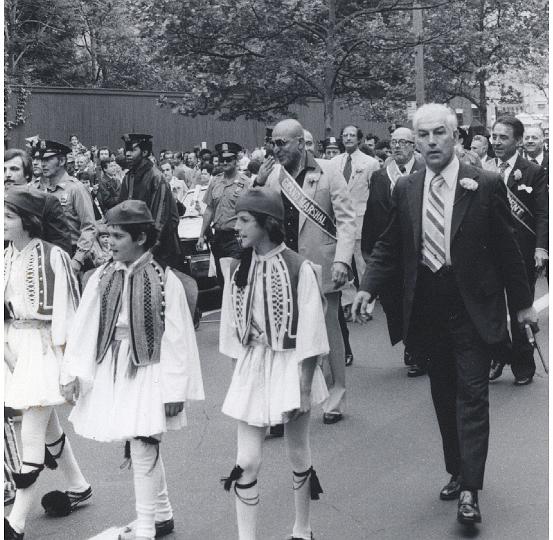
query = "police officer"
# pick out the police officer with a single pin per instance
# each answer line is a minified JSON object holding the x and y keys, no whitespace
{"x":220,"y":201}
{"x":146,"y":183}
{"x":74,"y":198}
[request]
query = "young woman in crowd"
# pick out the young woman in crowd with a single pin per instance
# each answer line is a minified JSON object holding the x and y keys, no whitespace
{"x":132,"y":360}
{"x":273,"y":323}
{"x":40,"y":299}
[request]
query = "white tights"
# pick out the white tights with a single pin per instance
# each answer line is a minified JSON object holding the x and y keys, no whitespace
{"x":39,"y":426}
{"x":150,"y":488}
{"x":249,"y":456}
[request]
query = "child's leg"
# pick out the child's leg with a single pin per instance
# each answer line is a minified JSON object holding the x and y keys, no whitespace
{"x":299,"y":453}
{"x":12,"y":461}
{"x":147,"y":478}
{"x":33,"y":433}
{"x":60,"y":448}
{"x":248,"y":463}
{"x":163,"y":506}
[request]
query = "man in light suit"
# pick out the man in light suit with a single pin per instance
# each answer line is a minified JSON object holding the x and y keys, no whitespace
{"x":357,"y":169}
{"x":328,"y":243}
{"x":450,"y":236}
{"x":527,"y":184}
{"x":375,"y":219}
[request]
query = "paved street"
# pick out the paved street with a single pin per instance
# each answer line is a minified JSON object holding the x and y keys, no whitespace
{"x":381,"y":468}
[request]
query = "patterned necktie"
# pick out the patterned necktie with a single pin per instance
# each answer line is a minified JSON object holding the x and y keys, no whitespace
{"x":503,"y":166}
{"x":534,"y":160}
{"x":347,"y":168}
{"x":402,"y":169}
{"x":433,"y":248}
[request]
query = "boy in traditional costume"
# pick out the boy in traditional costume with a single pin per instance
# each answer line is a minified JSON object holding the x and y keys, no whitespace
{"x":272,"y":322}
{"x":41,"y":295}
{"x":132,"y":360}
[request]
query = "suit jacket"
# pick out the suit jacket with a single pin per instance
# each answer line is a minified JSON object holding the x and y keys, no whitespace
{"x":375,"y":220}
{"x":537,"y":201}
{"x":485,"y":256}
{"x":56,"y":230}
{"x":326,"y":186}
{"x":363,"y":167}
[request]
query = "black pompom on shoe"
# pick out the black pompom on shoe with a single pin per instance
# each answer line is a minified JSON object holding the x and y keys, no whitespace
{"x":56,"y":504}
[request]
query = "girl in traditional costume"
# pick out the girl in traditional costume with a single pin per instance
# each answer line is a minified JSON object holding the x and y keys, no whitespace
{"x":133,"y":361}
{"x":272,"y":322}
{"x":40,"y":298}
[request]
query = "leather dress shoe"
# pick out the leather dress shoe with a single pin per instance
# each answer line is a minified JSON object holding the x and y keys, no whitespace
{"x":451,"y":490}
{"x":163,"y":528}
{"x":523,"y":381}
{"x":496,"y":370}
{"x":416,"y":371}
{"x":468,"y":511}
{"x":332,"y":417}
{"x":349,"y":359}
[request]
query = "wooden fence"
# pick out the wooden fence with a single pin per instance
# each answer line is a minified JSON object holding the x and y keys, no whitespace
{"x":100,"y":116}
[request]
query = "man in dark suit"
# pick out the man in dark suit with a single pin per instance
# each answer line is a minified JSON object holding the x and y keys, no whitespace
{"x":375,"y":219}
{"x":527,"y":189}
{"x":534,"y":148}
{"x":450,"y":237}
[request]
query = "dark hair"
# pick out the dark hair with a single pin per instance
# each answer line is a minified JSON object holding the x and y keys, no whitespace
{"x":366,"y":149}
{"x":208,"y":167}
{"x":372,"y":136}
{"x":26,"y":159}
{"x":254,"y":166}
{"x":166,"y":162}
{"x":275,"y":230}
{"x":121,"y":161}
{"x":136,"y":229}
{"x":30,"y":223}
{"x":104,"y":148}
{"x":380,"y":145}
{"x":382,"y":155}
{"x":359,"y":132}
{"x":515,"y":123}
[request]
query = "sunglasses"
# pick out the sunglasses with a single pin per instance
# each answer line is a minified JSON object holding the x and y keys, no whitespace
{"x":226,"y":160}
{"x":279,"y":143}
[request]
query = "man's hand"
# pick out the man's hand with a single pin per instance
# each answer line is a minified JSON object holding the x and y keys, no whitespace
{"x":528,"y":316}
{"x":172,"y":409}
{"x":540,"y":256}
{"x":200,"y":244}
{"x":359,"y":308}
{"x":76,"y":265}
{"x":265,"y":170}
{"x":339,"y":273}
{"x":70,"y":391}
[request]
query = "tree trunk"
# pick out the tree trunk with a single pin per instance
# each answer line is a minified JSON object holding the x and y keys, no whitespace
{"x":482,"y":101}
{"x":329,"y":85}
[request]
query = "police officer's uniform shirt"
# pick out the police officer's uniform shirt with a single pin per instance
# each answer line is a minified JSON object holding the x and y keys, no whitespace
{"x":221,"y":197}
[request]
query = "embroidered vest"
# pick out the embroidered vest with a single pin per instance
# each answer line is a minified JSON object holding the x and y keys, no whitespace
{"x":40,"y":279}
{"x":280,"y":299}
{"x":146,"y":308}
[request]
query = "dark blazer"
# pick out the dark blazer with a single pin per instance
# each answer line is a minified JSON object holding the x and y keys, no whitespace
{"x":485,"y":257}
{"x":537,"y":201}
{"x":56,"y":229}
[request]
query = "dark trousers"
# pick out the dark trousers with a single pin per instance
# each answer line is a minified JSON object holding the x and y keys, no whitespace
{"x":224,"y":244}
{"x":459,"y":363}
{"x":344,"y":329}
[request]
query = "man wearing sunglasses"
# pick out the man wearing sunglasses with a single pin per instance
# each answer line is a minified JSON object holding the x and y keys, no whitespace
{"x":319,"y":224}
{"x":220,"y":201}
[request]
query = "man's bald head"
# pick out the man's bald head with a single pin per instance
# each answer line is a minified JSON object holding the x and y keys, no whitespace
{"x":289,"y":144}
{"x":287,"y":129}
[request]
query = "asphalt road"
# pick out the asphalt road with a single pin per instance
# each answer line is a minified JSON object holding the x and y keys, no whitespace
{"x":381,"y":468}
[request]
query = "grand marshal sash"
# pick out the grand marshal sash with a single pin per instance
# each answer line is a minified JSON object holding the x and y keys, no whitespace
{"x":520,"y":212}
{"x":304,"y":204}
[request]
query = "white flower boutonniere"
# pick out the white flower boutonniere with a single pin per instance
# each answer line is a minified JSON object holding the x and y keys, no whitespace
{"x":469,"y":183}
{"x":311,"y":178}
{"x":517,"y":174}
{"x":526,"y":188}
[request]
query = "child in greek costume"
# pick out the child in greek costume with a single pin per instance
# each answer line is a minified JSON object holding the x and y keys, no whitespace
{"x":272,"y":322}
{"x":40,"y":299}
{"x":132,"y":360}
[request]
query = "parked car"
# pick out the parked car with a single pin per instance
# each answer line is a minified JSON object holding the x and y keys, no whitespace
{"x":197,"y":263}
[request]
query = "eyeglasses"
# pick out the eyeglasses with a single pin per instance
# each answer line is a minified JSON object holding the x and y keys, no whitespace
{"x":227,"y":160}
{"x":283,"y":142}
{"x":401,"y":142}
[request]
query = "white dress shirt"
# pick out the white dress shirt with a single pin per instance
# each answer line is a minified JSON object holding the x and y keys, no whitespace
{"x":449,"y":174}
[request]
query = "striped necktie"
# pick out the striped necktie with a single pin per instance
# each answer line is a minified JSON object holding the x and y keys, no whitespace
{"x":433,"y":246}
{"x":347,"y":168}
